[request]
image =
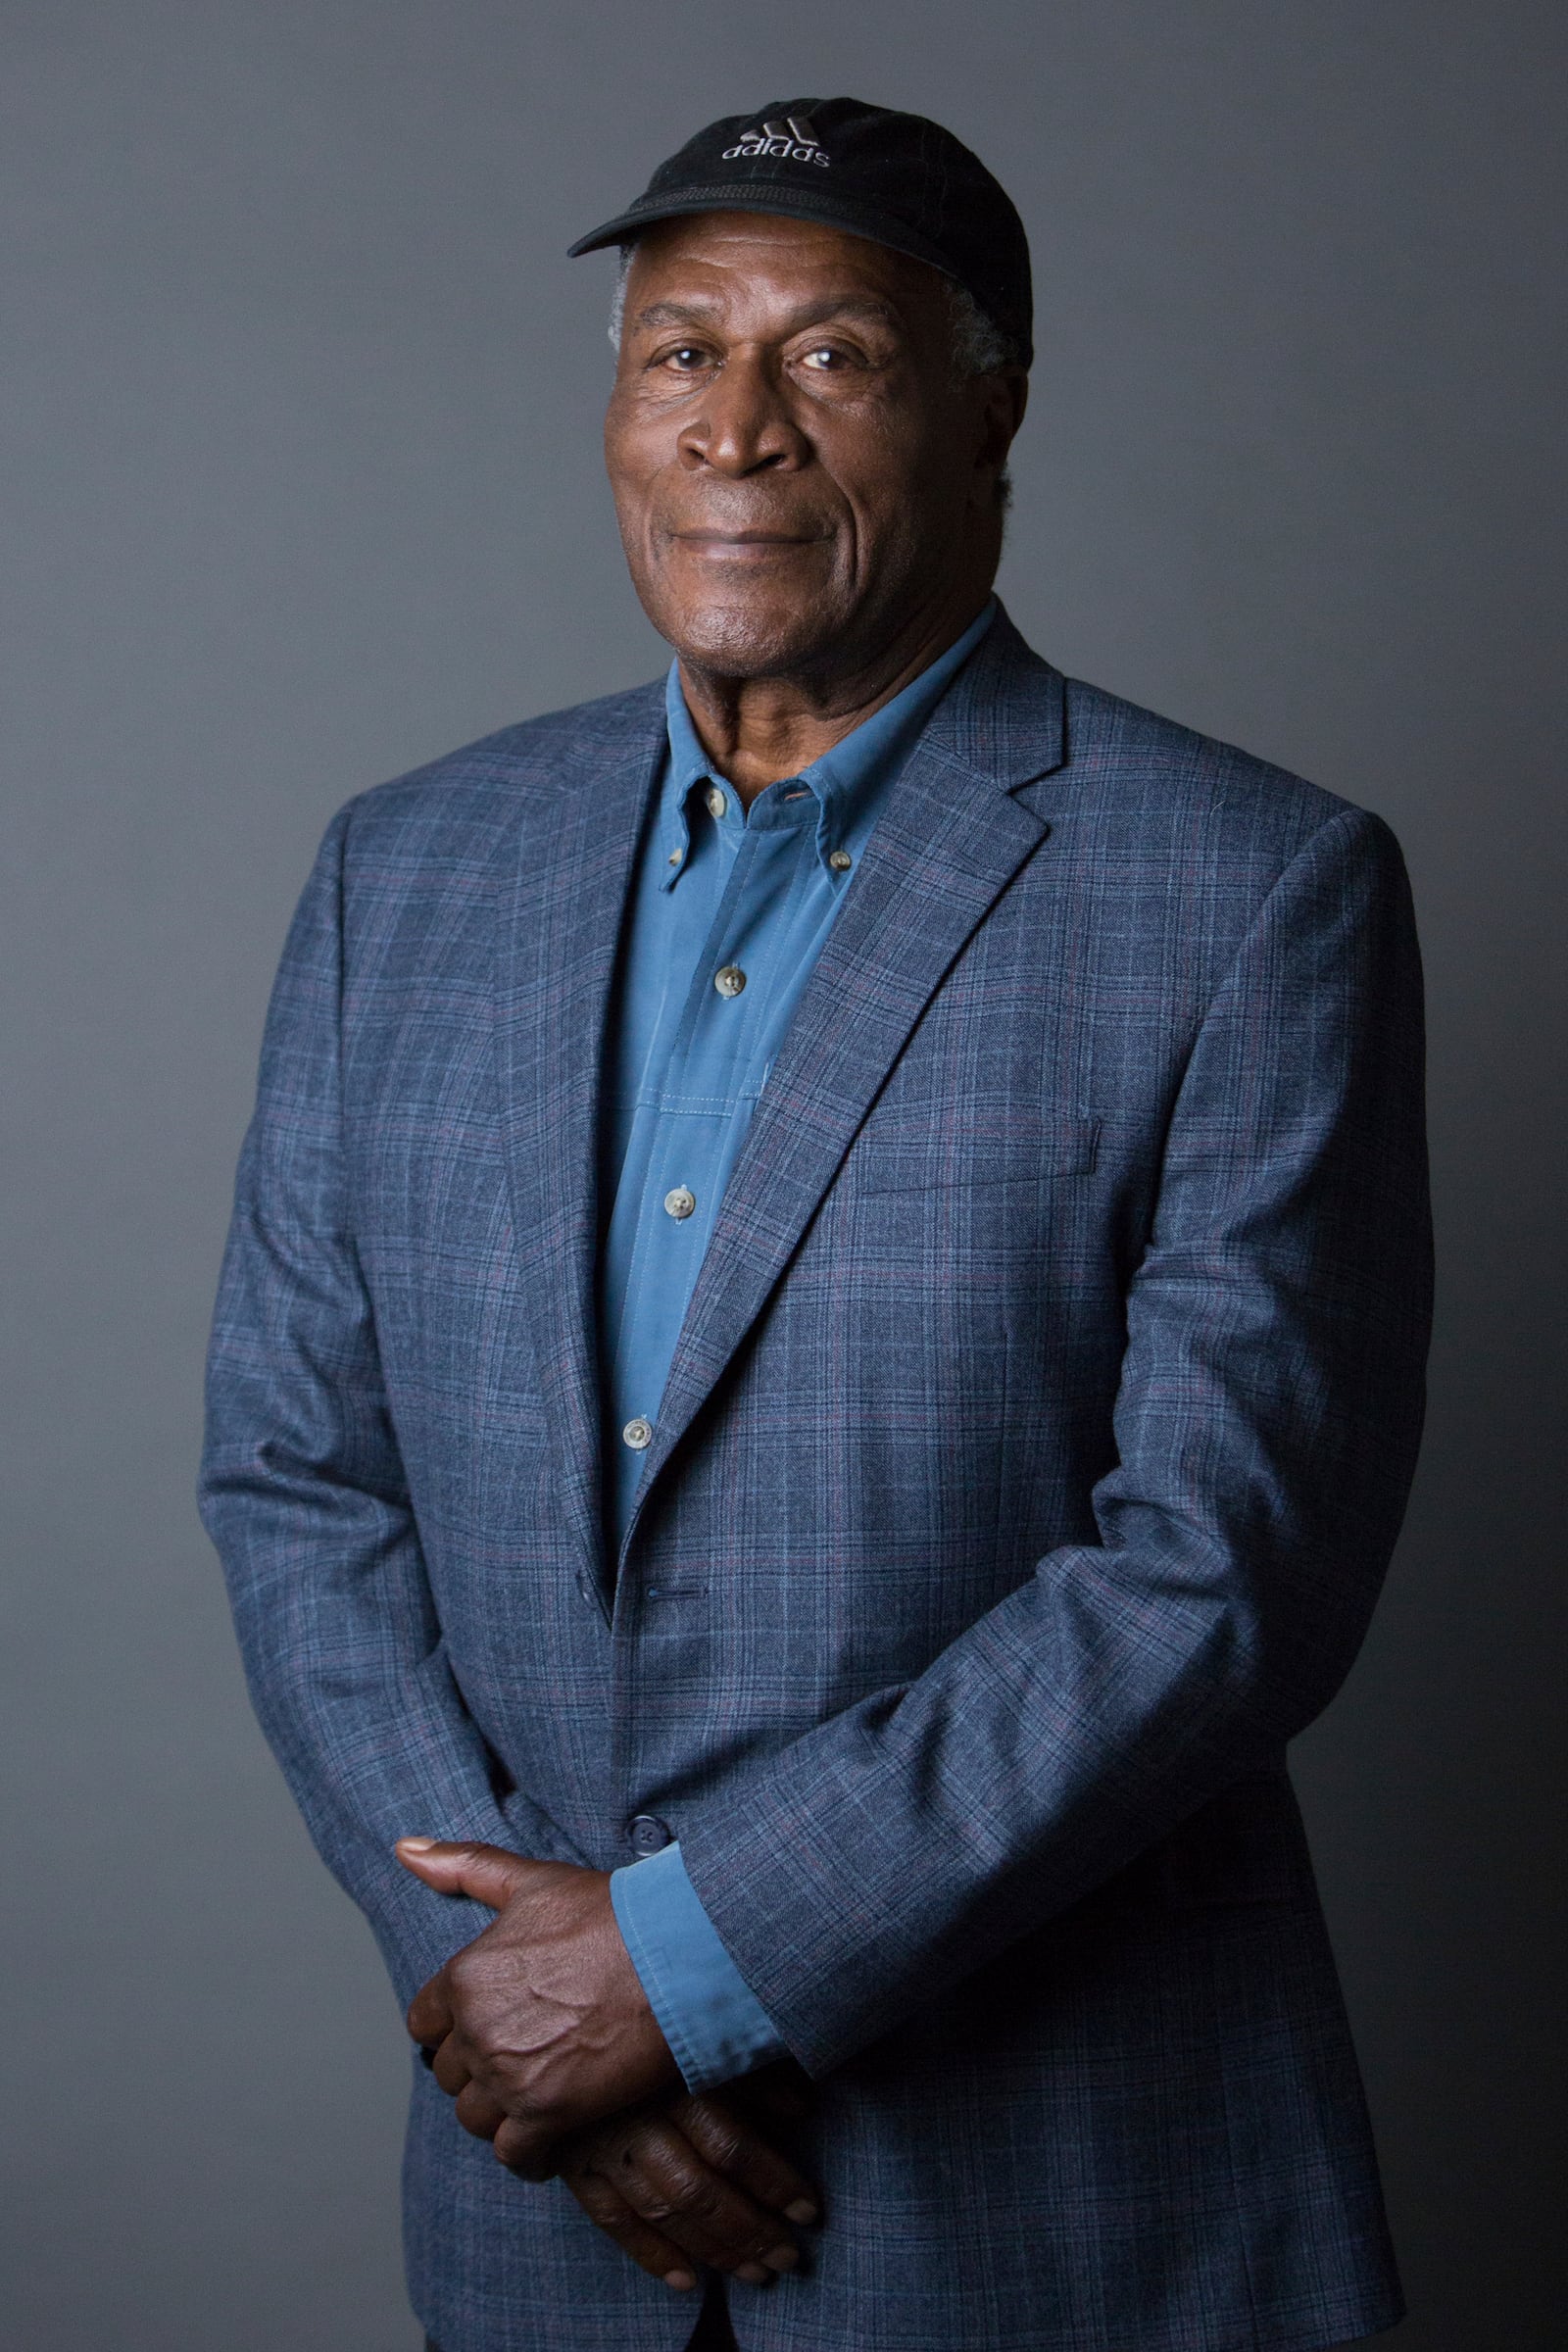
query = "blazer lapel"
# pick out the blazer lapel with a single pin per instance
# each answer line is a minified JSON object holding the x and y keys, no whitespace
{"x":946,"y":846}
{"x":574,"y":863}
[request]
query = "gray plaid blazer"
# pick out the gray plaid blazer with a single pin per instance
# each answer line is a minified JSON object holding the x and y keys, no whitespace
{"x":1032,"y":1453}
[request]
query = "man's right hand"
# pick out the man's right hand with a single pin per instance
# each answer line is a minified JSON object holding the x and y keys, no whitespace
{"x":690,"y":2181}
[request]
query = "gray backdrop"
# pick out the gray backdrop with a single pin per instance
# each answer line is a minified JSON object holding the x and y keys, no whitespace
{"x":301,"y":467}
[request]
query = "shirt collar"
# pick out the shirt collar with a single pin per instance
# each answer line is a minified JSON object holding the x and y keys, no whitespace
{"x":848,"y":782}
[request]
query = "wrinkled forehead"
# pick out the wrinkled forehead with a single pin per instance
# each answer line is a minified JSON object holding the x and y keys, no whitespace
{"x":732,"y":263}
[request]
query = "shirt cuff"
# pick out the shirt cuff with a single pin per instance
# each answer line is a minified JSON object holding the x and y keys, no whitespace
{"x":714,"y":2023}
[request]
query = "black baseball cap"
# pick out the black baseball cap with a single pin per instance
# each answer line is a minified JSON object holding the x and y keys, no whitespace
{"x":898,"y":179}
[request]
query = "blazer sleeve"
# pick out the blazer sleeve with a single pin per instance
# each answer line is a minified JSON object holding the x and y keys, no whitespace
{"x":1266,"y":1427}
{"x":302,"y":1491}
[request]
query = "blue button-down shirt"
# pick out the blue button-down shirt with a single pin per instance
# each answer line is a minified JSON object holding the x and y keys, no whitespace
{"x":729,"y":911}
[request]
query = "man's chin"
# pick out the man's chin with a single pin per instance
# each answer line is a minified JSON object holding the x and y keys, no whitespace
{"x":737,"y":640}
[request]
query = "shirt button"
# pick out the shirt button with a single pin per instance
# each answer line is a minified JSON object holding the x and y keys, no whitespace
{"x":680,"y":1202}
{"x":638,"y":1434}
{"x":649,"y":1835}
{"x":716,"y":803}
{"x":675,"y":857}
{"x":729,"y":979}
{"x":840,"y":860}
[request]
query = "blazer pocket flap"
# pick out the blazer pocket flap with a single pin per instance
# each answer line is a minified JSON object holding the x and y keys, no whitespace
{"x":938,"y":1156}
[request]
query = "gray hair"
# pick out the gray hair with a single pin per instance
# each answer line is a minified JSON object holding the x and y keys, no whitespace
{"x":979,"y":345}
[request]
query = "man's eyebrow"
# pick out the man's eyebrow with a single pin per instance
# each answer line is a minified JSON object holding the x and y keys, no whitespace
{"x":697,"y":313}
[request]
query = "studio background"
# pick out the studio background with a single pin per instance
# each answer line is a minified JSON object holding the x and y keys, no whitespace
{"x":299,"y":451}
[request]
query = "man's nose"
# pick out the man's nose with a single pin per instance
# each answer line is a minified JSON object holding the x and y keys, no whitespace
{"x":744,"y":424}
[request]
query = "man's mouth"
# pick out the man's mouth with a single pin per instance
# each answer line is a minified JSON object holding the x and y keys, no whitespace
{"x":744,"y":543}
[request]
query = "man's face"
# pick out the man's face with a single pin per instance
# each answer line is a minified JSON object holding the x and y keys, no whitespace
{"x":798,"y":475}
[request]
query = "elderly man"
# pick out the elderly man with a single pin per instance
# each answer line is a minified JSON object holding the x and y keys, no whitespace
{"x":819,"y":1361}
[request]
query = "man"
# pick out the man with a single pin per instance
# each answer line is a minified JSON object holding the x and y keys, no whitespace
{"x":819,"y":1361}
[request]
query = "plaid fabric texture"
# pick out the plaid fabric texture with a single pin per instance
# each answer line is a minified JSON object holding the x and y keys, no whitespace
{"x":1032,"y":1453}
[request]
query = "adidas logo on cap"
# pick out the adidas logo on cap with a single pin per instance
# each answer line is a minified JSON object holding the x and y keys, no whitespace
{"x":794,"y":140}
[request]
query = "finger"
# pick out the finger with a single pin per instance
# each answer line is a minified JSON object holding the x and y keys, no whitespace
{"x":662,"y":2176}
{"x":450,"y":2068}
{"x":428,"y":2016}
{"x":527,"y":2149}
{"x":477,"y":2112}
{"x":725,"y":2139}
{"x":651,"y":2251}
{"x":486,"y":1872}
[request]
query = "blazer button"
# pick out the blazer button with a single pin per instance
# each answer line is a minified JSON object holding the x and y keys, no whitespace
{"x":649,"y":1835}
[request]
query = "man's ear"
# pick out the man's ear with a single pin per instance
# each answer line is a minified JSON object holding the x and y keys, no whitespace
{"x":1004,"y":397}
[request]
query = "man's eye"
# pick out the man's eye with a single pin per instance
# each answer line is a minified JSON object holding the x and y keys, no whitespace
{"x":823,"y":360}
{"x":686,"y":358}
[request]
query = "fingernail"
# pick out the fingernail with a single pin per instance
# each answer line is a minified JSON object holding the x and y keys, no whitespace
{"x":782,"y":2258}
{"x":802,"y":2210}
{"x":415,"y":1845}
{"x":681,"y":2281}
{"x":752,"y":2273}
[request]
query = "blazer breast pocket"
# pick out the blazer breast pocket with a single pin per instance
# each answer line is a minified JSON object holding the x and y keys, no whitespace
{"x":942,"y":1156}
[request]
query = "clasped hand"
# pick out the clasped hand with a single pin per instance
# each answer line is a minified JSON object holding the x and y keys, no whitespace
{"x":541,"y":2033}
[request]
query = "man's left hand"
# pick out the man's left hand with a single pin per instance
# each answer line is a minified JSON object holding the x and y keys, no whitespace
{"x":543,"y":2016}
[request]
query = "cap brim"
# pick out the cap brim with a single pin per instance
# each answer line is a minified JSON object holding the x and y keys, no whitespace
{"x":804,"y":204}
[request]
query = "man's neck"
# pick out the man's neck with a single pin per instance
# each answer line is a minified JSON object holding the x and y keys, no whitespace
{"x":757,"y":730}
